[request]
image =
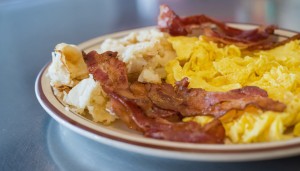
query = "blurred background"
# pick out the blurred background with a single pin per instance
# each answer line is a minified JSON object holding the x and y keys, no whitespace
{"x":74,"y":21}
{"x":29,"y":30}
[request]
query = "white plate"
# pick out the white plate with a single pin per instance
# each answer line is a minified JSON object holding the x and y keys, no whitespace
{"x":117,"y":135}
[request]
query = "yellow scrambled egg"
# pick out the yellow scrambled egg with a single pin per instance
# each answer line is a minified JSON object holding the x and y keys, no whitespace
{"x":216,"y":68}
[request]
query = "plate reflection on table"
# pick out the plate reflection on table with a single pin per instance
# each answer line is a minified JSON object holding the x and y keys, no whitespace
{"x":71,"y":151}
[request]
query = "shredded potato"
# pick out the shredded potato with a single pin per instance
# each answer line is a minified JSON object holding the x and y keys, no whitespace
{"x":216,"y":68}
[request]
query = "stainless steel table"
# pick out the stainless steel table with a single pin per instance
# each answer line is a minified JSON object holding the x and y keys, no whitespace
{"x":29,"y":30}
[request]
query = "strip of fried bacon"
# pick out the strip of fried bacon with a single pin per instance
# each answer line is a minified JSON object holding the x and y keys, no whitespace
{"x":147,"y":107}
{"x":195,"y":101}
{"x":160,"y":128}
{"x":261,"y":38}
{"x":106,"y":68}
{"x":164,"y":100}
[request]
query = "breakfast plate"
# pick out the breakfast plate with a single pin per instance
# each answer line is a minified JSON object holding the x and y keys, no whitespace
{"x":119,"y":136}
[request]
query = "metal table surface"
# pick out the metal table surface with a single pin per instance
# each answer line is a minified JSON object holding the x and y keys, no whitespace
{"x":29,"y":30}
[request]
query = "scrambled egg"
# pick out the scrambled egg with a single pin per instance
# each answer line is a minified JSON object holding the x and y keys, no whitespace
{"x":221,"y":69}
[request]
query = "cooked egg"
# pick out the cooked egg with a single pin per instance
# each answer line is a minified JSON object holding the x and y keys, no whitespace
{"x":216,"y":68}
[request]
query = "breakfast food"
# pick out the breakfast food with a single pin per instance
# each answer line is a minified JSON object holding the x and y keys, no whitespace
{"x":145,"y":53}
{"x":194,"y":80}
{"x":67,"y":67}
{"x":262,"y":37}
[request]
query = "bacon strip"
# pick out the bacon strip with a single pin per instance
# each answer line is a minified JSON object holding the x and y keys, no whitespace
{"x":261,"y":38}
{"x":169,"y":22}
{"x":159,"y":128}
{"x":195,"y":101}
{"x":164,"y":100}
{"x":107,"y":69}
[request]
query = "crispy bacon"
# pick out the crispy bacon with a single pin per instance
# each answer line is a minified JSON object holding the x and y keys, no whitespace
{"x":160,"y":128}
{"x":261,"y":38}
{"x":219,"y":103}
{"x":257,"y":39}
{"x":195,"y":101}
{"x":140,"y":95}
{"x":148,"y":107}
{"x":107,"y":69}
{"x":169,"y":22}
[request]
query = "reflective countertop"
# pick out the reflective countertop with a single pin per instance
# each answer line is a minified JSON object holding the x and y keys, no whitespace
{"x":29,"y":29}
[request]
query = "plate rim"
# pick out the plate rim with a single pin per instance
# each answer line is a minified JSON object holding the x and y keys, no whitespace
{"x":236,"y":151}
